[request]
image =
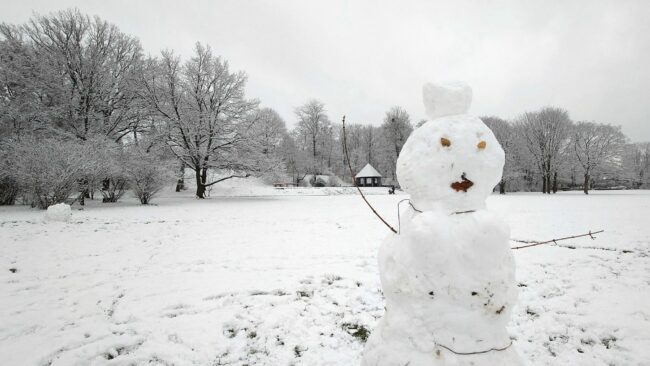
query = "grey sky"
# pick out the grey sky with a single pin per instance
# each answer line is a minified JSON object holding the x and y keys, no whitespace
{"x":362,"y":57}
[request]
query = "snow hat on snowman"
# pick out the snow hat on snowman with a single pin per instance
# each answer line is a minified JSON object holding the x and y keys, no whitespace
{"x":453,"y":161}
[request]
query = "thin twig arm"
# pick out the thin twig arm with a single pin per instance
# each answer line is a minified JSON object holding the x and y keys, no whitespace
{"x":347,"y":157}
{"x":554,"y":241}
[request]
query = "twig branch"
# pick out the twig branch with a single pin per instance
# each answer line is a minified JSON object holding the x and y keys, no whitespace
{"x":475,"y":352}
{"x":347,"y":157}
{"x":226,"y":178}
{"x":554,"y":241}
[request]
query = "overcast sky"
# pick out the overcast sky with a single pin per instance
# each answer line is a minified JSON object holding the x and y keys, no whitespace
{"x":362,"y":57}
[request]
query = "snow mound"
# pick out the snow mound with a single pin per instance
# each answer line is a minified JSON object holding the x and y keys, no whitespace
{"x":446,"y":99}
{"x":59,"y":212}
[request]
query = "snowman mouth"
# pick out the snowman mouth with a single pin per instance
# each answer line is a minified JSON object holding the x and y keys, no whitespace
{"x":462,"y":185}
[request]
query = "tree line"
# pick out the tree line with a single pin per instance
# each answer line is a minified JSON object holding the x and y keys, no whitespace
{"x":83,"y":111}
{"x":547,"y":151}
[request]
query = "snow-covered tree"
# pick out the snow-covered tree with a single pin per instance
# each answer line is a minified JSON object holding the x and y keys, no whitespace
{"x":205,"y":112}
{"x":79,"y":71}
{"x":396,"y":128}
{"x":313,"y":130}
{"x":505,"y":134}
{"x":8,"y":185}
{"x":48,"y":171}
{"x":595,"y":145}
{"x":268,"y":132}
{"x":355,"y":144}
{"x":296,"y":161}
{"x":636,"y":164}
{"x":23,"y":106}
{"x":545,"y":134}
{"x":268,"y":129}
{"x":370,"y":140}
{"x":146,"y":173}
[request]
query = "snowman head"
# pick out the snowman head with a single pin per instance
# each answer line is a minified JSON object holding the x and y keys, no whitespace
{"x":453,"y":161}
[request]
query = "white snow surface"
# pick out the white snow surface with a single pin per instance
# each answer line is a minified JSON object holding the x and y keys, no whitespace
{"x":446,"y":98}
{"x":292,"y":279}
{"x":59,"y":212}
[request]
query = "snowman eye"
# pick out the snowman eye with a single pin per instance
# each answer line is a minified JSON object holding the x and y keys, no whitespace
{"x":445,"y":142}
{"x":481,"y":145}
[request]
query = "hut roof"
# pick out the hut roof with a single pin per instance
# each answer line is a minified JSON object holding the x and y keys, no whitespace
{"x":368,"y":172}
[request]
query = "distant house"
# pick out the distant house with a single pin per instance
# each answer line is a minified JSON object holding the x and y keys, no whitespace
{"x":368,"y":177}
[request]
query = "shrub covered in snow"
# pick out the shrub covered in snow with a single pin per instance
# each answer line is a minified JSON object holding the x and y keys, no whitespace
{"x":112,"y":181}
{"x":8,"y":191}
{"x":146,"y":173}
{"x":59,"y":212}
{"x":8,"y":184}
{"x":47,"y":170}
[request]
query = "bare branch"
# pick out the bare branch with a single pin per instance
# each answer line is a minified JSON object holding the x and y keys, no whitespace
{"x":347,"y":157}
{"x":553,"y":241}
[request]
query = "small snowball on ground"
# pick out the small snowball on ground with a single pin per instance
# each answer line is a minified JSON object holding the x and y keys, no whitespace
{"x":59,"y":212}
{"x":446,"y":99}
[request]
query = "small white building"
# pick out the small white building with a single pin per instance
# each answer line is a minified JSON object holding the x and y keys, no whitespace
{"x":368,"y":177}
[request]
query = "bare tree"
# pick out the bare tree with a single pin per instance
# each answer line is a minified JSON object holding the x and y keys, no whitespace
{"x":206,"y":114}
{"x":25,"y":107}
{"x":86,"y":67}
{"x":356,"y":149}
{"x":395,"y":130}
{"x":313,"y":123}
{"x":268,"y":133}
{"x":594,"y":145}
{"x":636,"y":163}
{"x":370,"y":142}
{"x":545,"y":134}
{"x":505,"y":134}
{"x":296,"y":161}
{"x":268,"y":130}
{"x":313,"y":130}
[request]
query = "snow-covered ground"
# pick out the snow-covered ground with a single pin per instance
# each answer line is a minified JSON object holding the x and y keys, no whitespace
{"x":289,"y":277}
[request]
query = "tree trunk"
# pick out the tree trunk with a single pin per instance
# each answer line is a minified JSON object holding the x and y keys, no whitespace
{"x":554,"y":182}
{"x":84,"y":192}
{"x":544,"y":183}
{"x":585,"y":186}
{"x":180,"y":184}
{"x":502,"y":186}
{"x":573,"y":178}
{"x":200,"y":184}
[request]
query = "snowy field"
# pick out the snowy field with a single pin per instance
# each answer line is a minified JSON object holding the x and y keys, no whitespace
{"x":289,"y":277}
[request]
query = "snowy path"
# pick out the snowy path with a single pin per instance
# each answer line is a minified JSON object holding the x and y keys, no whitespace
{"x":292,"y":280}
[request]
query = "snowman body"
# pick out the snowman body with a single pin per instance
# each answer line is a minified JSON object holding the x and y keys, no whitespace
{"x":449,"y":276}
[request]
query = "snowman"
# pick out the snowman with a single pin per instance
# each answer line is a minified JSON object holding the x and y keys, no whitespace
{"x":449,"y":276}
